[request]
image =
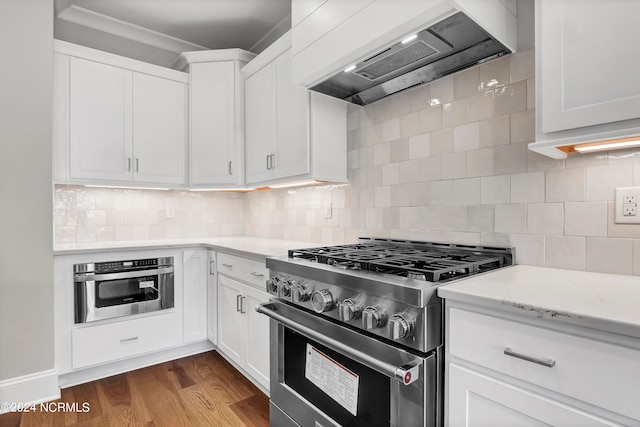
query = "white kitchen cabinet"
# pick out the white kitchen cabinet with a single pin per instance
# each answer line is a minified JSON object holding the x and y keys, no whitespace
{"x":291,"y":134}
{"x":586,"y":73}
{"x":100,"y":134}
{"x":95,"y":344}
{"x":232,"y":334}
{"x":216,"y":137}
{"x":116,"y":120}
{"x":212,"y":298}
{"x":485,"y":401}
{"x":195,"y":285}
{"x":159,"y":130}
{"x":330,"y":35}
{"x":243,"y":334}
{"x":490,"y":381}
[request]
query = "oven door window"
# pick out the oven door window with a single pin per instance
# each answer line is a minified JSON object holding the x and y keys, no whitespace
{"x":126,"y":291}
{"x":373,"y":388}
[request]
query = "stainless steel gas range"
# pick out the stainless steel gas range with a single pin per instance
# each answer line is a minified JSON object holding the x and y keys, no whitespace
{"x":357,"y":330}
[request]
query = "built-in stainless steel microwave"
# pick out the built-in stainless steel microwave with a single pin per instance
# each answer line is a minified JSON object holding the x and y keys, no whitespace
{"x":105,"y":290}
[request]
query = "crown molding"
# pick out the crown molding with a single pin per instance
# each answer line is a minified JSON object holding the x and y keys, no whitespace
{"x":116,"y":27}
{"x":187,"y":58}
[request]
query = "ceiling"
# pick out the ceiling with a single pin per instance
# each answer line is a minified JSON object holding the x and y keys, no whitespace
{"x":204,"y":24}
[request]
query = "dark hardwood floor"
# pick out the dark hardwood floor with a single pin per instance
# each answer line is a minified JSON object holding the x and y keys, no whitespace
{"x":201,"y":390}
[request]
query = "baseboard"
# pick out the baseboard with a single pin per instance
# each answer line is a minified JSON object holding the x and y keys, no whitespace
{"x":245,"y":373}
{"x":33,"y":388}
{"x":102,"y":371}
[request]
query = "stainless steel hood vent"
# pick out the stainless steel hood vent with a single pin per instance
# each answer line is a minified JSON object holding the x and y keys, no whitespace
{"x":450,"y":45}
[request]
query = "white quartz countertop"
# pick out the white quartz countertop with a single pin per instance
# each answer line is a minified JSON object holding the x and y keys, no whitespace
{"x":252,"y":247}
{"x":607,"y":302}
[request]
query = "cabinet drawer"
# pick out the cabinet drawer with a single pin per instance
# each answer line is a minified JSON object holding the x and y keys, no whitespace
{"x":113,"y":341}
{"x":247,"y":270}
{"x":595,"y":372}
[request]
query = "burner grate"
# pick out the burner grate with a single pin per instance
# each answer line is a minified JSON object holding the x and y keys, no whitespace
{"x":432,"y":262}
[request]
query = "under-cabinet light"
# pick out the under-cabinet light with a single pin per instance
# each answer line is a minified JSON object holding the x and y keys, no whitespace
{"x":223,"y":189}
{"x":350,"y":69}
{"x":296,"y":184}
{"x":126,"y":188}
{"x":410,"y":38}
{"x":610,"y":144}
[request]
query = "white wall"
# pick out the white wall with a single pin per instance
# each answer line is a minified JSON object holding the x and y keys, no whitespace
{"x":26,"y":249}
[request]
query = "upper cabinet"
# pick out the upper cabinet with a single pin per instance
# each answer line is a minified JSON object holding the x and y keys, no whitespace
{"x":216,"y":137}
{"x":292,"y":135}
{"x":587,"y":87}
{"x":117,"y":121}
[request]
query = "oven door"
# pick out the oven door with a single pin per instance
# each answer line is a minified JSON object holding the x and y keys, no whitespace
{"x":324,"y":374}
{"x":105,"y":296}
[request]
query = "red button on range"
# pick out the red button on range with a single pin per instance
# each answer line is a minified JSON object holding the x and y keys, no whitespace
{"x":407,"y":377}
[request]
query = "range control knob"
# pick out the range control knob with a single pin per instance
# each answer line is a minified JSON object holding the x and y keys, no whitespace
{"x":321,"y":301}
{"x":401,"y":326}
{"x":373,"y":317}
{"x":299,"y":293}
{"x":349,"y":309}
{"x":272,"y":286}
{"x":285,"y":288}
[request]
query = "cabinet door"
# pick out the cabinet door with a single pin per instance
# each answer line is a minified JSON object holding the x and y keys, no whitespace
{"x":159,"y":132}
{"x":480,"y":400}
{"x":213,"y":123}
{"x":232,"y":333}
{"x":588,"y":66}
{"x":194,"y":284}
{"x":100,"y":136}
{"x":260,"y":124}
{"x":257,"y":337}
{"x":212,"y":296}
{"x":292,"y":122}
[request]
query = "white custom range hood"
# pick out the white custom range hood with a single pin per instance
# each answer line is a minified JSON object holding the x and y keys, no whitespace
{"x":389,"y":46}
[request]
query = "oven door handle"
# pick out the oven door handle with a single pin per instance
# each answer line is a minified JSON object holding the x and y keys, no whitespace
{"x":406,"y":374}
{"x":122,"y":275}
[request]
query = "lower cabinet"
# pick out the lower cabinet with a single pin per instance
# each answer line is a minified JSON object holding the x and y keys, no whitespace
{"x":93,"y":345}
{"x":212,"y":298}
{"x":506,"y":370}
{"x":243,"y":334}
{"x":480,"y":400}
{"x":195,"y":284}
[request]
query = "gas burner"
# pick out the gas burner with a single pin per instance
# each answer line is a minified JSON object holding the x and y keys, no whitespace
{"x":424,"y":261}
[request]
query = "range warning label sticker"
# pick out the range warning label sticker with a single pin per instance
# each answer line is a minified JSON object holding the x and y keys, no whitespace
{"x":335,"y":380}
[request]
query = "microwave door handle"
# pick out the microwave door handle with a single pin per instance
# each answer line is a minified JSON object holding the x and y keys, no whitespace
{"x":90,"y":298}
{"x":406,"y":374}
{"x":124,"y":274}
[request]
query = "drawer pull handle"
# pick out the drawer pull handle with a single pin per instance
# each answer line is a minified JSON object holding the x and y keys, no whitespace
{"x":253,"y":273}
{"x":549,"y":363}
{"x":227,"y":265}
{"x":128,"y":339}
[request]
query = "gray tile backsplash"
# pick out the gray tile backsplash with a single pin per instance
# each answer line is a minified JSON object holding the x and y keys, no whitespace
{"x":447,"y":161}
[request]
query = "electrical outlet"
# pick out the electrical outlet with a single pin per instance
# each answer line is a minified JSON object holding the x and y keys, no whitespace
{"x":626,"y":205}
{"x":328,"y":211}
{"x":170,"y":212}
